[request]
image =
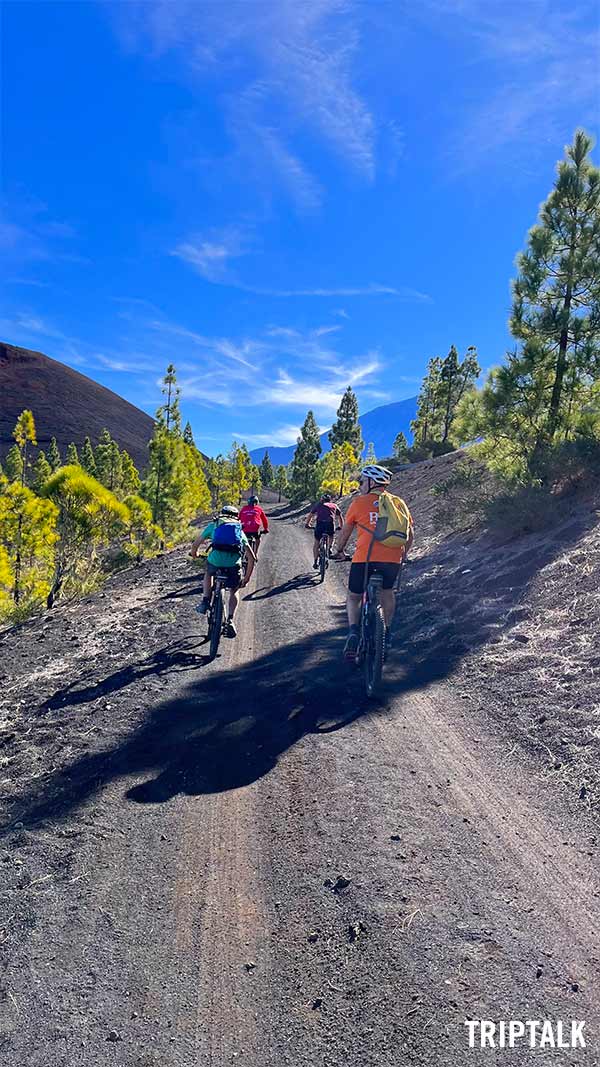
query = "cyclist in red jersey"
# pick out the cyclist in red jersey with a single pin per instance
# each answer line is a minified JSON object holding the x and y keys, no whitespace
{"x":254,"y":522}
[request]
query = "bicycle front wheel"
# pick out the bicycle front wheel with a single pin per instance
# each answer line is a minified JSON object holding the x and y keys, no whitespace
{"x":374,"y":651}
{"x":216,"y":624}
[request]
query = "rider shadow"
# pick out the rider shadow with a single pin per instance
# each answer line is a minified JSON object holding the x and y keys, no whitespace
{"x":301,"y":581}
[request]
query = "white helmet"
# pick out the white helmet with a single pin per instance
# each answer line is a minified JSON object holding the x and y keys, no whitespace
{"x":230,"y":511}
{"x":376,"y":474}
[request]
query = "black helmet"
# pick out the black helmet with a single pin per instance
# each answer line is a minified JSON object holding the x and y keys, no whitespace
{"x":253,"y":500}
{"x":325,"y":498}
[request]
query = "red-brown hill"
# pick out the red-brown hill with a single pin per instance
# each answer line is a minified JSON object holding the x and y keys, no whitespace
{"x":66,"y":405}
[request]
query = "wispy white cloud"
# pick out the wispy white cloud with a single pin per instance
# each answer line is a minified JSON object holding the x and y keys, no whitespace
{"x":536,"y":49}
{"x":278,"y":437}
{"x":373,"y":289}
{"x":210,"y":256}
{"x":293,"y":61}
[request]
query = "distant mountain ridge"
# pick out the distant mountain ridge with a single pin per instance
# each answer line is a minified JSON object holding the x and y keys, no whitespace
{"x":381,"y":426}
{"x":66,"y":405}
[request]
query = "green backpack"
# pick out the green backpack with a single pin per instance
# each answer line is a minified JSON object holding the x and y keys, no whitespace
{"x":393,"y":525}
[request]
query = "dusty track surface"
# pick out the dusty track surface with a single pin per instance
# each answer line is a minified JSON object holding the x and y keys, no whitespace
{"x":245,"y":862}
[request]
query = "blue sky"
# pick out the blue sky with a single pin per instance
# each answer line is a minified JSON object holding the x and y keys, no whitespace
{"x":281,"y":197}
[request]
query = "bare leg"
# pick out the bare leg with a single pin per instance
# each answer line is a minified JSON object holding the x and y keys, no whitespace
{"x":353,"y":602}
{"x":233,"y":602}
{"x":207,"y":585}
{"x":315,"y":549}
{"x":388,"y":603}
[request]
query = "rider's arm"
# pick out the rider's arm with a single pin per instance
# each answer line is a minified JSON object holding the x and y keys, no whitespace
{"x":200,"y":539}
{"x":339,"y":517}
{"x":264,"y":520}
{"x":308,"y":522}
{"x":347,"y":531}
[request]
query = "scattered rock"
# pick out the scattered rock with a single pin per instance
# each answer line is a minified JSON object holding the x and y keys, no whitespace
{"x":582,"y":793}
{"x":521,"y":638}
{"x":539,"y":972}
{"x":394,"y":837}
{"x":355,"y":930}
{"x":114,"y":1036}
{"x":317,"y":1002}
{"x":340,"y":883}
{"x":250,"y":966}
{"x":313,"y":937}
{"x":575,"y":987}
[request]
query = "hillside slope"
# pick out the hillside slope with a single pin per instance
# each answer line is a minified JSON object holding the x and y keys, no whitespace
{"x":66,"y":405}
{"x":381,"y":426}
{"x":245,"y":861}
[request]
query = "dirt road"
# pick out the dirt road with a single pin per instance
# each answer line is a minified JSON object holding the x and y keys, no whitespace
{"x":244,"y":862}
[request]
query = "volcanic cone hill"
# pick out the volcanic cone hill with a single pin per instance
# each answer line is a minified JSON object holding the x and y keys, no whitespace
{"x":66,"y":405}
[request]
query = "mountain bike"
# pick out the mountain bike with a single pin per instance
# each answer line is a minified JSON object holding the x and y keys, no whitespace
{"x":216,"y":612}
{"x":371,"y":643}
{"x":323,"y":556}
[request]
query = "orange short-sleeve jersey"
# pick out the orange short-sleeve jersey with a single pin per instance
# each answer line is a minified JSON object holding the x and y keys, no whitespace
{"x":363,"y":513}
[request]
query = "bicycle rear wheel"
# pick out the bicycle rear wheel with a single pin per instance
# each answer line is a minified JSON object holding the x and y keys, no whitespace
{"x":374,"y":651}
{"x":216,"y":623}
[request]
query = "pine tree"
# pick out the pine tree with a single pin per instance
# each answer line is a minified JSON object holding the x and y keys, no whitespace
{"x":308,"y":449}
{"x":281,"y":480}
{"x":53,"y":454}
{"x":542,"y":393}
{"x":337,"y":468}
{"x":87,"y":458}
{"x":170,"y":409}
{"x":115,"y":469}
{"x":347,"y":427}
{"x":28,"y":535}
{"x":188,"y":436}
{"x":103,"y":457}
{"x":556,"y":296}
{"x":455,"y":379}
{"x":175,"y":485}
{"x":41,"y":472}
{"x":400,"y":447}
{"x":370,"y":456}
{"x":130,"y":480}
{"x":13,"y":464}
{"x":255,"y":480}
{"x":24,"y":435}
{"x":426,"y":426}
{"x":89,"y":517}
{"x":267,"y":473}
{"x":72,"y":455}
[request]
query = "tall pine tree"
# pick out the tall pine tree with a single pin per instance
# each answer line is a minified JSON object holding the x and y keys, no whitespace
{"x":266,"y":470}
{"x":87,"y":458}
{"x":556,"y":305}
{"x":308,"y":449}
{"x":53,"y":454}
{"x":347,"y":427}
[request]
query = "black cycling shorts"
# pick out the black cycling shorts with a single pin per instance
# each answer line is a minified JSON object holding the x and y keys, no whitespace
{"x":356,"y":581}
{"x":234,"y":574}
{"x":325,"y":527}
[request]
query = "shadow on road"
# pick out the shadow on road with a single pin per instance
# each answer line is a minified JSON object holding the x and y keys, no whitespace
{"x":227,"y":728}
{"x":224,"y":730}
{"x":301,"y":581}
